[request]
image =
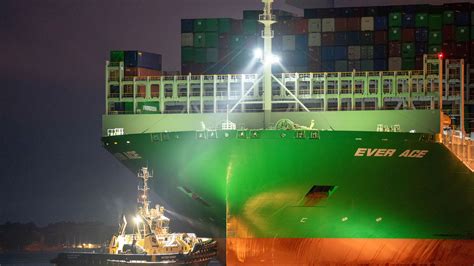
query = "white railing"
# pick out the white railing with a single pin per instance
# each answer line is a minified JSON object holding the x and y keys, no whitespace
{"x":461,"y":146}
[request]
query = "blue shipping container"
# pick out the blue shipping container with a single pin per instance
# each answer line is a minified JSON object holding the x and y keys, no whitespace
{"x":328,"y":66}
{"x":408,"y":20}
{"x":421,"y":48}
{"x":462,"y":19}
{"x":340,"y":53}
{"x":187,"y":25}
{"x":421,"y":35}
{"x":142,"y":59}
{"x":301,"y":42}
{"x":380,"y":23}
{"x":353,"y":38}
{"x":380,"y":52}
{"x":340,"y":38}
{"x":380,"y":65}
{"x":327,"y":53}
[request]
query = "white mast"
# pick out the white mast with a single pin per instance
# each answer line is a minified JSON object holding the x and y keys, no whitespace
{"x":267,"y":19}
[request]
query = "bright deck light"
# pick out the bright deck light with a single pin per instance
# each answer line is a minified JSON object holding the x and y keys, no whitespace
{"x":257,"y":53}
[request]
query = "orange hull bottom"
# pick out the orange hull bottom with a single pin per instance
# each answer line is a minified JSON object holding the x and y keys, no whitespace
{"x":314,"y":251}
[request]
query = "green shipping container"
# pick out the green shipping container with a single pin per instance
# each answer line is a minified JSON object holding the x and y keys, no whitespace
{"x":434,"y":49}
{"x":212,"y":24}
{"x":435,"y":37}
{"x":395,"y":19}
{"x":462,"y":34}
{"x":394,"y":34}
{"x":448,"y":17}
{"x":472,"y":33}
{"x":187,"y":55}
{"x":211,"y":39}
{"x":408,"y":50}
{"x":212,"y":55}
{"x":366,"y":52}
{"x":435,"y":22}
{"x":250,"y":26}
{"x":199,"y":39}
{"x":200,"y":55}
{"x":199,"y":25}
{"x":128,"y":106}
{"x":408,"y":63}
{"x":148,"y":107}
{"x":116,"y":56}
{"x":225,"y":25}
{"x":367,"y":65}
{"x":237,"y":41}
{"x":421,"y":20}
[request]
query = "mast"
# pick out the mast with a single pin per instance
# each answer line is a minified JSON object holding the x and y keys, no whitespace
{"x":267,"y":19}
{"x":144,"y":174}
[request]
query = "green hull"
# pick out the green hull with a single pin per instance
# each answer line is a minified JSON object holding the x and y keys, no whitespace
{"x":256,"y":184}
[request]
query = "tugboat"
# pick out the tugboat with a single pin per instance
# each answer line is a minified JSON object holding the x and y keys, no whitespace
{"x":150,"y":242}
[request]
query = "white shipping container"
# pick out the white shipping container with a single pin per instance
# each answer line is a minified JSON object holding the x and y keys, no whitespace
{"x":186,"y":39}
{"x":288,"y":43}
{"x":353,"y":52}
{"x":328,"y":25}
{"x":394,"y":63}
{"x":367,"y":24}
{"x":314,"y":25}
{"x":314,"y":39}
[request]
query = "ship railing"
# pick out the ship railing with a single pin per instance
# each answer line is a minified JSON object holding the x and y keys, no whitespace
{"x":461,"y":146}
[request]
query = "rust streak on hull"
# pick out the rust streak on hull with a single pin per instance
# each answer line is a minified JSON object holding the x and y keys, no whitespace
{"x":311,"y":251}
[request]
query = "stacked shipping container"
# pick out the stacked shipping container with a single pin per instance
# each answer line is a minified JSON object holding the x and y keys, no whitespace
{"x":334,"y":39}
{"x":136,"y":64}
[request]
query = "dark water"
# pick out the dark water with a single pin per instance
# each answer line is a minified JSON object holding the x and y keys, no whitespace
{"x":40,"y":259}
{"x":27,"y":259}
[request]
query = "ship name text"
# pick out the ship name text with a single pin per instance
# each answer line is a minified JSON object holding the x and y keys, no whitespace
{"x":375,"y":152}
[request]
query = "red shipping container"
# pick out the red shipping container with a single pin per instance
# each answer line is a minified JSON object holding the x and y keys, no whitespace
{"x":380,"y":37}
{"x":461,"y":50}
{"x":419,"y":63}
{"x":353,"y":24}
{"x":394,"y":49}
{"x":327,"y":38}
{"x":286,"y":27}
{"x":314,"y":66}
{"x":223,"y":41}
{"x":448,"y":49}
{"x":141,"y":91}
{"x":224,"y":55}
{"x":448,"y":33}
{"x":340,"y":24}
{"x":300,"y":26}
{"x":408,"y":35}
{"x":140,"y":72}
{"x":236,"y":26}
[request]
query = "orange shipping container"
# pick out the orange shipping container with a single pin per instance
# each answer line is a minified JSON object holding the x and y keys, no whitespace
{"x":141,"y":72}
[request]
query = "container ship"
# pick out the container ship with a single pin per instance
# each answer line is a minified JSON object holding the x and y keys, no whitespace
{"x":345,"y":143}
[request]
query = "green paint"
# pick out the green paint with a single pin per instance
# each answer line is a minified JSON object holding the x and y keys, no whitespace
{"x":421,"y":20}
{"x":448,"y":17}
{"x":394,"y":34}
{"x":435,"y":37}
{"x":116,"y":56}
{"x":395,"y":19}
{"x":435,"y":22}
{"x":225,"y":25}
{"x":262,"y":178}
{"x":408,"y":50}
{"x":462,"y":34}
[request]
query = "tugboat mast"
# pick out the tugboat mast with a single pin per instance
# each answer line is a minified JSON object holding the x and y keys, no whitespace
{"x":144,"y":175}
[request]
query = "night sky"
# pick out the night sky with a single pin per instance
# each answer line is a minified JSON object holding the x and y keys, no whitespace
{"x":53,"y":167}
